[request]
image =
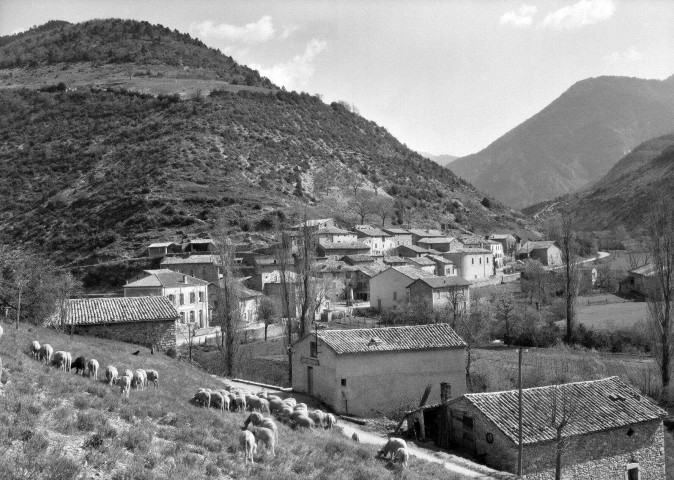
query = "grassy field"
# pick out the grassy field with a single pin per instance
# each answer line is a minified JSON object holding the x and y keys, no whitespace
{"x":58,"y":425}
{"x":612,"y":315}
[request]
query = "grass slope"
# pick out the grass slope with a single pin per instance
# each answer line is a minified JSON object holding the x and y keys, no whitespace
{"x":52,"y":422}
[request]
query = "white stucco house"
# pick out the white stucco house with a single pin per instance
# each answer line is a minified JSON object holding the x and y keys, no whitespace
{"x":472,"y":263}
{"x":362,"y":371}
{"x":388,"y":289}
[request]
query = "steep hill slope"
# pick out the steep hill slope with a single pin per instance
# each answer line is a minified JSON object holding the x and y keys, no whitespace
{"x":102,"y":170}
{"x":574,"y":140}
{"x":626,"y":194}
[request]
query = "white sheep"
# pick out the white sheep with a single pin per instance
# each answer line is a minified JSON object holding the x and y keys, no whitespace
{"x":153,"y":376}
{"x":60,"y":360}
{"x":46,"y":352}
{"x":391,"y":447}
{"x":330,"y":421}
{"x":69,"y":361}
{"x":266,"y":437}
{"x":318,"y":416}
{"x":248,"y":443}
{"x":401,"y":456}
{"x":240,"y":403}
{"x":217,"y":400}
{"x":138,"y":380}
{"x":92,"y":366}
{"x":111,"y":374}
{"x":290,"y":401}
{"x":35,"y":349}
{"x":125,"y":385}
{"x":202,"y":398}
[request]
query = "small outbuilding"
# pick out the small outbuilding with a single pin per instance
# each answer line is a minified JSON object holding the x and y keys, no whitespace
{"x":365,"y":371}
{"x":546,"y":252}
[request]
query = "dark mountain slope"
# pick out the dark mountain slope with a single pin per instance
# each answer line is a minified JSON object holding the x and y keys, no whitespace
{"x":574,"y":140}
{"x":627,"y":194}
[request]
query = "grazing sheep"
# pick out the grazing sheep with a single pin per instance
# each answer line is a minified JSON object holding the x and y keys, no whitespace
{"x":330,"y":421}
{"x":391,"y":447}
{"x":290,"y":401}
{"x":276,"y":405}
{"x":80,"y":364}
{"x":125,"y":385}
{"x":35,"y":349}
{"x":401,"y":456}
{"x":128,"y":373}
{"x":355,"y":437}
{"x":60,"y":360}
{"x":153,"y":376}
{"x":92,"y":366}
{"x":299,"y":406}
{"x":46,"y":352}
{"x":255,"y":418}
{"x":318,"y":417}
{"x":301,"y":420}
{"x":139,"y":379}
{"x":111,"y":374}
{"x":262,"y":394}
{"x":217,"y":400}
{"x":248,"y":443}
{"x":240,"y":403}
{"x":256,"y":403}
{"x":202,"y":398}
{"x":266,"y":437}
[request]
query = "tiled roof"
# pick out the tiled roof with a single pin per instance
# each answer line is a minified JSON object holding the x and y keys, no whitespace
{"x":332,"y":266}
{"x":501,"y":236}
{"x":94,"y":311}
{"x":344,"y":246}
{"x":333,"y":231}
{"x":646,"y":270}
{"x":412,"y":272}
{"x":440,"y":259}
{"x":396,"y":231}
{"x":393,"y":259}
{"x":529,"y":246}
{"x":165,"y":278}
{"x":192,"y":259}
{"x":469,"y":250}
{"x":420,"y":232}
{"x":435,"y":240}
{"x":441,"y":282}
{"x":414,"y":248}
{"x":421,"y":261}
{"x":371,"y":232}
{"x":594,"y":406}
{"x":201,"y":241}
{"x":161,"y":244}
{"x":371,"y":269}
{"x":418,"y":337}
{"x":358,"y":258}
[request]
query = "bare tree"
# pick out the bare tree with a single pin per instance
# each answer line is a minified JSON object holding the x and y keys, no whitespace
{"x":661,"y":287}
{"x":282,"y":254}
{"x":305,"y":258}
{"x":361,"y":204}
{"x":563,"y":411}
{"x":563,"y":230}
{"x":383,"y":207}
{"x":456,"y":307}
{"x":267,"y":312}
{"x":504,"y":311}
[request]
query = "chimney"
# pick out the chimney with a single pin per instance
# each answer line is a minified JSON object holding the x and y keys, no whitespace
{"x":445,"y":392}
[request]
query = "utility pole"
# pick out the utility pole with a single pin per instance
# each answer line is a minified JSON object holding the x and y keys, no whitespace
{"x":519,"y":413}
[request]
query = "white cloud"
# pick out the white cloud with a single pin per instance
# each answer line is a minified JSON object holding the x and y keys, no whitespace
{"x":257,"y":32}
{"x":521,"y":18}
{"x":297,"y":71}
{"x":629,"y":55}
{"x":578,"y":15}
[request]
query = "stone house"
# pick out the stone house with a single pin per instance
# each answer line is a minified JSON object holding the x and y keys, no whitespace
{"x":472,"y":263}
{"x":188,"y":294}
{"x":363,"y":371}
{"x":388,"y":289}
{"x":337,"y":250}
{"x":439,"y":244}
{"x":361,"y":280}
{"x":546,"y":252}
{"x":267,"y":263}
{"x":315,"y":224}
{"x":497,"y":254}
{"x":411,"y":251}
{"x":470,"y":240}
{"x":508,"y":242}
{"x":423,"y":263}
{"x":613,"y":431}
{"x":394,"y":261}
{"x":162,"y":249}
{"x":400,"y":236}
{"x":149,"y":321}
{"x":354,"y":260}
{"x":443,"y":267}
{"x":419,"y":233}
{"x":335,"y":235}
{"x":378,"y":240}
{"x":641,"y":280}
{"x":335,"y":279}
{"x":438,"y":292}
{"x":249,"y":301}
{"x":205,"y":267}
{"x":200,"y":245}
{"x":270,"y":284}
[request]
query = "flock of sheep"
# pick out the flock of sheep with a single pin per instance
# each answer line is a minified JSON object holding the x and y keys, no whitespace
{"x":64,"y":361}
{"x":264,"y":429}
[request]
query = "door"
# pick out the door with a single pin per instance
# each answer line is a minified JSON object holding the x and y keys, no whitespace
{"x":379,"y":303}
{"x":310,"y":380}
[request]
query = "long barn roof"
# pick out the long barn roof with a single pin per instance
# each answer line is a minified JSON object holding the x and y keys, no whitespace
{"x":97,"y":311}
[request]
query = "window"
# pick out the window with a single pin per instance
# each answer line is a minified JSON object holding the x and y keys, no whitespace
{"x":201,"y":297}
{"x":192,"y":316}
{"x":192,"y":297}
{"x":487,"y":259}
{"x":480,"y":260}
{"x":191,"y":273}
{"x":472,"y":261}
{"x":182,"y":299}
{"x":395,"y":296}
{"x":313,"y":349}
{"x":201,"y":317}
{"x":172,"y":299}
{"x":467,"y":422}
{"x":343,"y":382}
{"x":633,"y":471}
{"x":182,"y":317}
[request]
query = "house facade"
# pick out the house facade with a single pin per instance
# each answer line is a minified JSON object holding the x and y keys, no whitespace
{"x":546,"y":252}
{"x":189,"y":295}
{"x":200,"y":245}
{"x":361,"y":280}
{"x":399,"y":236}
{"x":641,"y":281}
{"x":472,"y":263}
{"x":508,"y":242}
{"x":205,"y":267}
{"x":612,"y":430}
{"x":161,"y":249}
{"x":419,"y":233}
{"x":378,"y":240}
{"x":388,"y":289}
{"x":423,"y":263}
{"x":497,"y":254}
{"x":361,"y":371}
{"x":439,"y":244}
{"x":338,"y":250}
{"x":443,"y":267}
{"x":335,"y":235}
{"x":439,"y":292}
{"x":335,"y":280}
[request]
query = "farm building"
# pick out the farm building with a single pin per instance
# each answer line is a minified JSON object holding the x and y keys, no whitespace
{"x":200,"y":245}
{"x":149,"y":321}
{"x":389,"y":288}
{"x":439,"y":244}
{"x":335,"y":235}
{"x":163,"y":248}
{"x":438,"y":292}
{"x":363,"y":371}
{"x":546,"y":252}
{"x":641,"y":280}
{"x":610,"y":430}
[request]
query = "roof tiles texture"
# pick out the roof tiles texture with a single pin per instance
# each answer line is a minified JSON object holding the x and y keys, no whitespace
{"x":192,"y":259}
{"x":413,"y":272}
{"x":391,"y":339}
{"x":165,"y":278}
{"x":592,"y":407}
{"x":442,"y":282}
{"x":93,"y":311}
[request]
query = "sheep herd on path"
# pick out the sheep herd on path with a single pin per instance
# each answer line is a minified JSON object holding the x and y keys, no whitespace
{"x":264,"y":431}
{"x":139,"y":379}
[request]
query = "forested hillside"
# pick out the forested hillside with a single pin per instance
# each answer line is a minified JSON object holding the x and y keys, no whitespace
{"x":101,"y":172}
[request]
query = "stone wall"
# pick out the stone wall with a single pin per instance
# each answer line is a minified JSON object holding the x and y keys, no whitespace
{"x":161,"y":334}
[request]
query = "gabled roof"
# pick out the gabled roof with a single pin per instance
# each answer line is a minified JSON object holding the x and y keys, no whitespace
{"x":646,"y":270}
{"x":391,"y":339}
{"x":94,"y":311}
{"x":245,"y":293}
{"x":396,"y":231}
{"x":410,"y":272}
{"x":192,"y":259}
{"x":344,"y":246}
{"x":165,"y":278}
{"x":435,"y":240}
{"x":536,"y":245}
{"x":371,"y":269}
{"x":421,"y":261}
{"x":161,"y":244}
{"x":595,"y":406}
{"x":440,"y":259}
{"x":442,"y":282}
{"x":468,"y":250}
{"x":390,"y":259}
{"x":333,"y":231}
{"x":420,"y":232}
{"x":358,"y":258}
{"x":501,"y":236}
{"x":370,"y":232}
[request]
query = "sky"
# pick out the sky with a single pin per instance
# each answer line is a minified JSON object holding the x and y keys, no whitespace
{"x":444,"y":77}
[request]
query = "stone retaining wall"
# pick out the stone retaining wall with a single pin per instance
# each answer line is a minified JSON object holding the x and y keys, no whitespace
{"x":161,"y":334}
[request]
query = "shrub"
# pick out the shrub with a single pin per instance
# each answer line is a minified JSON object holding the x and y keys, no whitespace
{"x":137,"y":439}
